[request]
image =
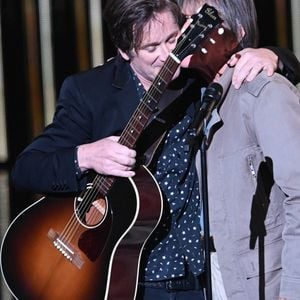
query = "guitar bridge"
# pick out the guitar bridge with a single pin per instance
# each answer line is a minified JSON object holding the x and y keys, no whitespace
{"x":66,"y":249}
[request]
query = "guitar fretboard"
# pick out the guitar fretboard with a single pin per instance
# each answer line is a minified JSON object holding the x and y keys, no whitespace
{"x":148,"y":104}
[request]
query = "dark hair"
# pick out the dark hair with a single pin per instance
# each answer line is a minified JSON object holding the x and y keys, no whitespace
{"x":126,"y":19}
{"x":236,"y":14}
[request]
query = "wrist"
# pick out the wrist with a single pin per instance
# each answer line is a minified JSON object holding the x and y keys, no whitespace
{"x":80,"y":169}
{"x":280,"y":65}
{"x":273,"y":56}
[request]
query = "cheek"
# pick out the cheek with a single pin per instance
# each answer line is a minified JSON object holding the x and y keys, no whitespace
{"x":149,"y":60}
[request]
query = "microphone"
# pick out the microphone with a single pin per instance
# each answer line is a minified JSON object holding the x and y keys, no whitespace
{"x":210,"y":99}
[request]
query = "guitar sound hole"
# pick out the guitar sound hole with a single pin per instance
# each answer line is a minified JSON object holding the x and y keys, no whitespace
{"x":91,"y":214}
{"x":96,"y":212}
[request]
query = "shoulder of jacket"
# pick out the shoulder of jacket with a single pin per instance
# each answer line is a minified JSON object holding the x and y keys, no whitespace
{"x":255,"y":86}
{"x":102,"y":74}
{"x":262,"y":80}
{"x":108,"y":66}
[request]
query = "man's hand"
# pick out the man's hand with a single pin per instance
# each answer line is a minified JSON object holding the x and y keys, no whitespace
{"x":249,"y":62}
{"x":107,"y":157}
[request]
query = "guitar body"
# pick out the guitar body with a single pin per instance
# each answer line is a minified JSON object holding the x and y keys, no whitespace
{"x":100,"y":262}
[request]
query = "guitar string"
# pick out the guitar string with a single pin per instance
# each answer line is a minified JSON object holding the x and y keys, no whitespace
{"x":99,"y":181}
{"x":138,"y":123}
{"x":91,"y":194}
{"x":146,"y":112}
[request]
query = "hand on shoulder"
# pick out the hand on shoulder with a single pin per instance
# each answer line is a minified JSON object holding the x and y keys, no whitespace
{"x":249,"y":62}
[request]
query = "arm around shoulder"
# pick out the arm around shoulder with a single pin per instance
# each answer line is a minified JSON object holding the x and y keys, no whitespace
{"x":289,"y":65}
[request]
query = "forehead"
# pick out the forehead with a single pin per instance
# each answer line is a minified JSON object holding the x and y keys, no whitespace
{"x":160,"y":25}
{"x":191,"y":7}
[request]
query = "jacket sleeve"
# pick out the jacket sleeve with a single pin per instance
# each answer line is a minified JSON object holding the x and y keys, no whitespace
{"x":47,"y":164}
{"x":290,"y":64}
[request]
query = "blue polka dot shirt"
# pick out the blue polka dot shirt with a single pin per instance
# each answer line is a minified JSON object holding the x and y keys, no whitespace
{"x":175,"y":247}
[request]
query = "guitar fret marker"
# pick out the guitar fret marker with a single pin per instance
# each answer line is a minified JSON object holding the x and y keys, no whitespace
{"x":162,"y":79}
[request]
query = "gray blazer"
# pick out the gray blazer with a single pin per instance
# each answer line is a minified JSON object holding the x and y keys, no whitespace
{"x":254,"y":174}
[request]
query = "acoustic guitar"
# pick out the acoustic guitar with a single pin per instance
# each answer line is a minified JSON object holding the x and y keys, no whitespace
{"x":89,"y":247}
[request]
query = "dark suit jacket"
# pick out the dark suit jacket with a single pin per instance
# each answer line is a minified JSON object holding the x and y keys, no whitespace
{"x":91,"y":105}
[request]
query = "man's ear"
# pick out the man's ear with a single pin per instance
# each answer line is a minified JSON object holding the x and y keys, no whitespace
{"x":241,"y":32}
{"x":124,"y":54}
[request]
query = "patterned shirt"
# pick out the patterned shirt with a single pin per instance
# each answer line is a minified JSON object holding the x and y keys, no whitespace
{"x":175,"y":246}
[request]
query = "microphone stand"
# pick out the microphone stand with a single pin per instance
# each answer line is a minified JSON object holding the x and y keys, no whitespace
{"x":204,"y":191}
{"x":210,"y":99}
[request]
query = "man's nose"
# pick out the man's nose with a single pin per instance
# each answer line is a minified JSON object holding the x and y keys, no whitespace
{"x":164,"y":51}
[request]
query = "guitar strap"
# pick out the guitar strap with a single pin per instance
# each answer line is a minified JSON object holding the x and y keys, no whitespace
{"x":177,"y":101}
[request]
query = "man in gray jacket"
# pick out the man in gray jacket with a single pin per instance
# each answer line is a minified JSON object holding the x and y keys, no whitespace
{"x":254,"y":177}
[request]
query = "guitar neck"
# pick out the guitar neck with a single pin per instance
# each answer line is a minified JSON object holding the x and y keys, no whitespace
{"x":148,"y":104}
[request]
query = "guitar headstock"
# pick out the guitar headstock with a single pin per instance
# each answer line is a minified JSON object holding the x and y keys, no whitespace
{"x":203,"y":23}
{"x":214,"y":52}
